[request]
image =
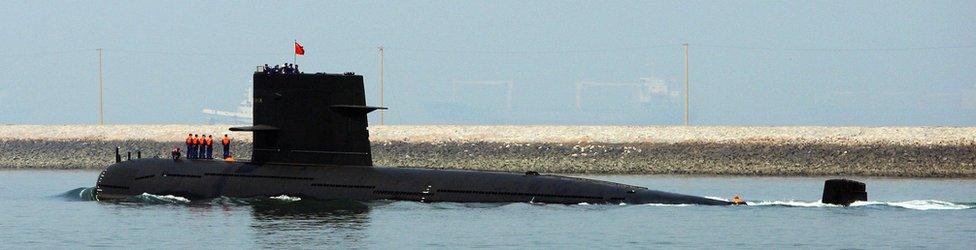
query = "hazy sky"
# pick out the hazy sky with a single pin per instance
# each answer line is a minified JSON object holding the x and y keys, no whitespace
{"x":752,"y":63}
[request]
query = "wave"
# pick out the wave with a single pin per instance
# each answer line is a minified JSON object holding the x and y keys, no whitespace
{"x":157,"y":199}
{"x":912,"y":204}
{"x":285,"y":198}
{"x":78,"y":194}
{"x":918,"y":204}
{"x":665,"y":205}
{"x":87,"y":194}
{"x":716,"y":198}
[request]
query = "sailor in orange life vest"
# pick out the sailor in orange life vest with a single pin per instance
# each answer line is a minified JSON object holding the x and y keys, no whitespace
{"x":189,"y":146}
{"x":209,"y":143}
{"x":201,"y":149}
{"x":226,"y":142}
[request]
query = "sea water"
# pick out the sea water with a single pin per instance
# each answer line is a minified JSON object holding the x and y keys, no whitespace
{"x":54,"y":209}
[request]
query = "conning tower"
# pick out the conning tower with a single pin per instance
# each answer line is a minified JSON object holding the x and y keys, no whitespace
{"x":310,"y":119}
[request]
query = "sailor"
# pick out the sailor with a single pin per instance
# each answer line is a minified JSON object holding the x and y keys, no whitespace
{"x":296,"y":69}
{"x":189,"y":146}
{"x":275,"y":70}
{"x":226,"y":143}
{"x":267,"y":69}
{"x":209,"y":143}
{"x":190,"y":149}
{"x":201,"y":148}
{"x":196,"y":146}
{"x":176,"y":153}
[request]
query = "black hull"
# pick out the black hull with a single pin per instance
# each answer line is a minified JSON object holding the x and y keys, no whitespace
{"x":203,"y":179}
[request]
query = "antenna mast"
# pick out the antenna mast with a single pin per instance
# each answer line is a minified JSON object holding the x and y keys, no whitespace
{"x":101,"y":110}
{"x":381,"y":85}
{"x":686,"y":83}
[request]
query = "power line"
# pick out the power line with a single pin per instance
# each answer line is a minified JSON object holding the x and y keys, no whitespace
{"x":177,"y":53}
{"x":560,"y":51}
{"x":512,"y":52}
{"x":53,"y":52}
{"x":181,"y":53}
{"x":838,"y":49}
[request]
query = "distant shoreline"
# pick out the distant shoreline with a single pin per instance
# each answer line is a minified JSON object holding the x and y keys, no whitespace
{"x":909,"y":152}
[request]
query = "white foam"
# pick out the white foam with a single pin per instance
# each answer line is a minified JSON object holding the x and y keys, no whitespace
{"x":916,"y":204}
{"x":912,"y":204}
{"x":170,"y":198}
{"x":792,"y":203}
{"x":716,"y":198}
{"x":665,"y":205}
{"x":286,"y":198}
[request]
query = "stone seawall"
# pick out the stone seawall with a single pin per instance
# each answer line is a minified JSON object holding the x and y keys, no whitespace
{"x":696,"y":158}
{"x":775,"y":151}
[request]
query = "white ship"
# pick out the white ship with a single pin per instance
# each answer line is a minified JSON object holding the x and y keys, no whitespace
{"x":243,"y":115}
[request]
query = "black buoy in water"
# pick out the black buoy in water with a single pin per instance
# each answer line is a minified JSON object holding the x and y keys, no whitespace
{"x":843,"y":192}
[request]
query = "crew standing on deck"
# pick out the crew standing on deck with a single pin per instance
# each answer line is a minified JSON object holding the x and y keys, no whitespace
{"x":226,"y":143}
{"x":198,"y":141}
{"x":193,"y":149}
{"x":176,"y":153}
{"x":189,"y":146}
{"x":209,"y":146}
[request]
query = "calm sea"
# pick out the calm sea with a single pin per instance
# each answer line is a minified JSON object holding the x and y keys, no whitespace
{"x":50,"y":209}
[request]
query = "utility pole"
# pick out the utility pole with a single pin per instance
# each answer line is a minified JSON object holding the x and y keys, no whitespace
{"x":101,"y":103}
{"x":686,"y":83}
{"x":381,"y":84}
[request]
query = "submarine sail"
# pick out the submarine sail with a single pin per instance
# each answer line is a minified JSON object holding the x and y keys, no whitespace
{"x":311,"y":141}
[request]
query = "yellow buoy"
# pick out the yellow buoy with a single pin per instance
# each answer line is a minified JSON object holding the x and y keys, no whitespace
{"x":736,"y":200}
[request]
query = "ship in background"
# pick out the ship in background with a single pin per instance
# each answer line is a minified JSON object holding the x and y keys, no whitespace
{"x":243,"y":115}
{"x":648,"y":100}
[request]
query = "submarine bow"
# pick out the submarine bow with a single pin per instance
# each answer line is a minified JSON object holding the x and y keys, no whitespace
{"x":311,"y":141}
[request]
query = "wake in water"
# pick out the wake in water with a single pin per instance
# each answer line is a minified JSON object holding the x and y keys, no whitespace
{"x":912,"y":204}
{"x":287,"y":203}
{"x":78,"y":194}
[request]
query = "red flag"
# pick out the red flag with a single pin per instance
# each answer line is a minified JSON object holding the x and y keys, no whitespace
{"x":299,"y":50}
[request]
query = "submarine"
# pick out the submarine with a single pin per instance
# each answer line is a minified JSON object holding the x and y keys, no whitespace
{"x":310,"y":140}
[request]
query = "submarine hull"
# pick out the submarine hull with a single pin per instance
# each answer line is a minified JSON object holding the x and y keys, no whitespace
{"x":204,"y":179}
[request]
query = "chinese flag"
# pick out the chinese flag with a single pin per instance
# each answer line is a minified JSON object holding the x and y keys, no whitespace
{"x":299,"y":50}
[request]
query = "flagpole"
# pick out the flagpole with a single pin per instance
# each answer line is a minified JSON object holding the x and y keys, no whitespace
{"x":294,"y":54}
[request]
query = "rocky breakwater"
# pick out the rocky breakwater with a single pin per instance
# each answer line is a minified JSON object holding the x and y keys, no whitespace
{"x":779,"y":151}
{"x":771,"y":151}
{"x":93,"y":147}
